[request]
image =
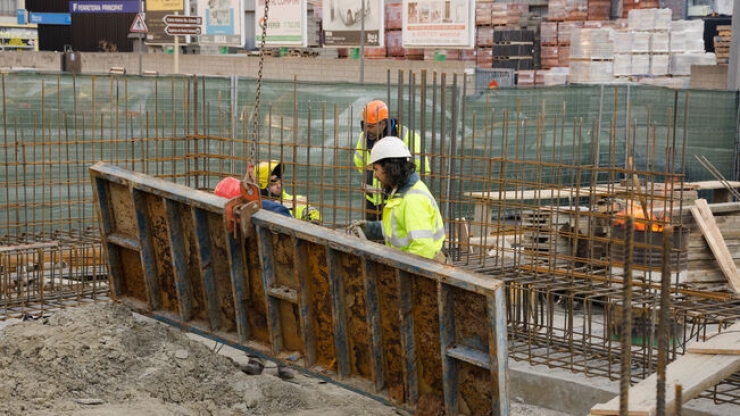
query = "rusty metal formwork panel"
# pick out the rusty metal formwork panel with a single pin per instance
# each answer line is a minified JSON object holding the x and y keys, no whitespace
{"x":399,"y":328}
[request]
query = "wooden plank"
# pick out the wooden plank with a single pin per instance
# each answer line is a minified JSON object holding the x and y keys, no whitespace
{"x":705,"y":219}
{"x":704,"y":185}
{"x":712,"y":275}
{"x":598,"y":190}
{"x":538,"y":194}
{"x":726,"y":342}
{"x":463,"y":235}
{"x":529,"y":194}
{"x":694,"y":372}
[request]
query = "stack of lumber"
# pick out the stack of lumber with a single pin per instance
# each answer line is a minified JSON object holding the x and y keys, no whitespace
{"x":542,"y":241}
{"x":714,"y":248}
{"x":722,"y":43}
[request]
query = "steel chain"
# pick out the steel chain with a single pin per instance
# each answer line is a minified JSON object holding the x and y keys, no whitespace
{"x":258,"y":92}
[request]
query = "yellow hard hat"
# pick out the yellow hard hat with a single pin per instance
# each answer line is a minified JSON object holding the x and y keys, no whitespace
{"x":263,"y":171}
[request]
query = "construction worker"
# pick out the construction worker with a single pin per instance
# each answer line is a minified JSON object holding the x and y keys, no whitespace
{"x":411,"y":219}
{"x":269,"y":175}
{"x":230,"y":188}
{"x":377,"y":124}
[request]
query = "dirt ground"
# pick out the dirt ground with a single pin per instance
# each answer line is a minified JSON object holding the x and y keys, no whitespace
{"x":104,"y":360}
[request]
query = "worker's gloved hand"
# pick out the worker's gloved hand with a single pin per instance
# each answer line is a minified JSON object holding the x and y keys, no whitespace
{"x":371,"y":189}
{"x":369,"y":230}
{"x":357,"y":228}
{"x":311,"y":214}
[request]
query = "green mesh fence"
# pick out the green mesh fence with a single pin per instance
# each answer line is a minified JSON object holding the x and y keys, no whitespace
{"x":196,"y":130}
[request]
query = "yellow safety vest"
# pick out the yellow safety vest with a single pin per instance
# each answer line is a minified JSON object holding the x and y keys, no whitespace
{"x":301,"y":210}
{"x":362,"y":160}
{"x":412,"y":222}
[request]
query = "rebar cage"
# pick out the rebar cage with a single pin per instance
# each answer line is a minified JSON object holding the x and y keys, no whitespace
{"x":534,"y":185}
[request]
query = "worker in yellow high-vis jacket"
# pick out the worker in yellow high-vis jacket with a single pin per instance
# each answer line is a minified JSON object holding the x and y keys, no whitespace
{"x":269,"y":175}
{"x":377,"y":124}
{"x":411,"y":219}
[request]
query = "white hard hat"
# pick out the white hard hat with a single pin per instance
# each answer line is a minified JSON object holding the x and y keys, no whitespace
{"x":389,"y":147}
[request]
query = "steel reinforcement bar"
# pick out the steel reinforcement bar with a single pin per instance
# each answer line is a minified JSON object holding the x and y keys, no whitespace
{"x":405,"y":330}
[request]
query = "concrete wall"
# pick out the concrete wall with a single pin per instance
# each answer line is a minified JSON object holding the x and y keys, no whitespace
{"x":286,"y":68}
{"x":575,"y":393}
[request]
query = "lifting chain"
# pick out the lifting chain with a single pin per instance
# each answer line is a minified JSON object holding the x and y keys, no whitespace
{"x":258,"y":92}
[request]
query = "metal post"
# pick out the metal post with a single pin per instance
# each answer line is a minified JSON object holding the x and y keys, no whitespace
{"x":733,"y":77}
{"x":362,"y":44}
{"x":176,"y":51}
{"x":141,"y":45}
{"x":177,"y":54}
{"x":141,"y":35}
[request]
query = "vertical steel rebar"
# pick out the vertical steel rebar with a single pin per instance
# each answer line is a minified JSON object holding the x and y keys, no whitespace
{"x":664,"y":324}
{"x":625,"y":376}
{"x":678,"y":404}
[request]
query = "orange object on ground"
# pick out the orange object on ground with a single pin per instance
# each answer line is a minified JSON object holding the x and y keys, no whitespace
{"x":642,"y":221}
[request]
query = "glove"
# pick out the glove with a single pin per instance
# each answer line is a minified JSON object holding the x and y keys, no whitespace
{"x":369,"y":189}
{"x":311,"y":214}
{"x":368,"y":230}
{"x":358,"y":228}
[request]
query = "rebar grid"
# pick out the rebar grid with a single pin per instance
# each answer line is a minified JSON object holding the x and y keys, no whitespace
{"x":535,"y":186}
{"x":576,"y":325}
{"x":44,"y":273}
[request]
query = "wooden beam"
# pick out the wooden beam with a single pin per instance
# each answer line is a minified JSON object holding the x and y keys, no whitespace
{"x":705,"y":219}
{"x":694,"y":372}
{"x":726,"y":342}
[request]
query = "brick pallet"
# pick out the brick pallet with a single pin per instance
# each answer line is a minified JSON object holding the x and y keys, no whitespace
{"x":722,"y":44}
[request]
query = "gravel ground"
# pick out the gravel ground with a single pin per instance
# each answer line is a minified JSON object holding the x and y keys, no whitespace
{"x":104,"y":360}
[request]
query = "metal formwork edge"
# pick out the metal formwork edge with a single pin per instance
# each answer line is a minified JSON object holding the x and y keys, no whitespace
{"x":390,"y":325}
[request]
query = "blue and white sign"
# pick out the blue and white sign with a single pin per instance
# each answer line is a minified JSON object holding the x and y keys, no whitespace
{"x":222,"y":21}
{"x":50,"y":18}
{"x":22,"y":16}
{"x":104,"y":6}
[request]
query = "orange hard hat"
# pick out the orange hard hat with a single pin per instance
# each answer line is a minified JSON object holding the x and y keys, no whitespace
{"x":228,"y":188}
{"x":374,"y":112}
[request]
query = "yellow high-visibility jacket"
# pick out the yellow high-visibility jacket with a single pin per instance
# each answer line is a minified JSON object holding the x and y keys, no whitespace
{"x":362,"y":160}
{"x":301,"y":210}
{"x":412,"y":221}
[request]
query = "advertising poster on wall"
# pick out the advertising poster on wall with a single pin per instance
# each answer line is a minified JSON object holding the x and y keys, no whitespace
{"x":15,"y":37}
{"x":446,"y":24}
{"x":156,"y":10}
{"x":286,"y":23}
{"x":222,"y":22}
{"x":343,"y":22}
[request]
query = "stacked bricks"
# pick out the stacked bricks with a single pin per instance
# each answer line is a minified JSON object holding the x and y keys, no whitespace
{"x":722,"y":44}
{"x":513,"y":49}
{"x":484,"y":34}
{"x":628,"y":5}
{"x":555,"y":43}
{"x":497,"y":45}
{"x":652,"y":48}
